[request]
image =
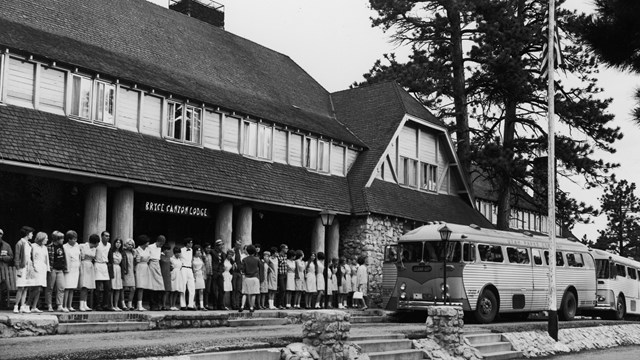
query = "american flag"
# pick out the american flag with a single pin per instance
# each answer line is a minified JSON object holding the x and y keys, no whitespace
{"x":557,"y":50}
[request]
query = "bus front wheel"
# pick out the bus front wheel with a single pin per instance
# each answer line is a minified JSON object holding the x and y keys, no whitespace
{"x":569,"y":307}
{"x":621,"y":308}
{"x":487,"y":307}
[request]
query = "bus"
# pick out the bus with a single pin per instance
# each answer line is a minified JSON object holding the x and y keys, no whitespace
{"x":488,"y":272}
{"x":618,"y":285}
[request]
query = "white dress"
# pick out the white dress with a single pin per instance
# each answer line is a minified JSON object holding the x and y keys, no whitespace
{"x":226,"y":276}
{"x":72,"y":276}
{"x":116,"y":282}
{"x":100,"y":267}
{"x":22,"y":281}
{"x":345,"y":285}
{"x":41,"y":264}
{"x":87,"y":273}
{"x":143,"y":280}
{"x":177,"y":281}
{"x":310,"y":278}
{"x":320,"y":284}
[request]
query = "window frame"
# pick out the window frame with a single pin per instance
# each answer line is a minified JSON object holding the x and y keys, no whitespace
{"x":426,"y":169}
{"x":195,"y":128}
{"x":80,"y":115}
{"x":403,"y":172}
{"x":94,"y":102}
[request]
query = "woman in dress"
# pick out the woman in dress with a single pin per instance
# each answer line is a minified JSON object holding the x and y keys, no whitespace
{"x":264,"y":281}
{"x":227,"y":284}
{"x":87,"y":275}
{"x":41,"y":265}
{"x":345,"y":285}
{"x":72,"y":275}
{"x":272,"y":277}
{"x":142,"y":269}
{"x":177,"y":281}
{"x":354,"y":278}
{"x":197,"y":265}
{"x":23,"y":262}
{"x":332,"y":278}
{"x":291,"y":277}
{"x":250,"y":269}
{"x":128,"y":273}
{"x":363,"y":280}
{"x":301,"y":284}
{"x":320,"y":281}
{"x":165,"y":267}
{"x":310,"y":279}
{"x":116,"y":259}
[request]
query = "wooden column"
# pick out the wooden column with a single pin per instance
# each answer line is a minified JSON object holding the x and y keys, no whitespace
{"x":122,"y":214}
{"x":224,"y":224}
{"x":333,"y":239}
{"x":244,"y":224}
{"x":317,"y":236}
{"x":95,"y":210}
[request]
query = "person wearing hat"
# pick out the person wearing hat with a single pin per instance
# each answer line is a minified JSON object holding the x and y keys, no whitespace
{"x":217,"y":265}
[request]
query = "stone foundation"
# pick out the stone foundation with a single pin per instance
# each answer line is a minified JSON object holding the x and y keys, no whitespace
{"x":445,"y":340}
{"x":368,"y":236}
{"x":27,"y":325}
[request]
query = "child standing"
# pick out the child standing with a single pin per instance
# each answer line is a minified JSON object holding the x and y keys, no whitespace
{"x":177,"y":282}
{"x":197,"y":265}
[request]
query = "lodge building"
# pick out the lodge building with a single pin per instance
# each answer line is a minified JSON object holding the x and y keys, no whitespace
{"x":130,"y":117}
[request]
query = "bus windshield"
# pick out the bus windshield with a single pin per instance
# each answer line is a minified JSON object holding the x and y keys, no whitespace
{"x":424,"y":251}
{"x":602,"y":269}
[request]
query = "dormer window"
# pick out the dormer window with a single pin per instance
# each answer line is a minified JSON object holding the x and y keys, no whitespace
{"x":80,"y":97}
{"x":184,"y":122}
{"x":429,"y":176}
{"x":104,"y":102}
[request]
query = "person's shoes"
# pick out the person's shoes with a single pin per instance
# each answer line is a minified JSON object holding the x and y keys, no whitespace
{"x":50,"y":308}
{"x":36,"y":310}
{"x":65,"y":310}
{"x":364,"y":308}
{"x":60,"y":309}
{"x":16,"y":309}
{"x":191,"y":309}
{"x":251,"y":310}
{"x":71,"y":309}
{"x":240,"y":309}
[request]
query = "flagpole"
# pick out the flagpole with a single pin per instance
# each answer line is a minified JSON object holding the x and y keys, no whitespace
{"x":551,"y":172}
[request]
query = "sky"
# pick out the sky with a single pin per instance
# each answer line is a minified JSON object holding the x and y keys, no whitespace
{"x":334,"y":42}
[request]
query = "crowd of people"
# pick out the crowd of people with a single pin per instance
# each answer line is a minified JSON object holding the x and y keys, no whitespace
{"x":110,"y":273}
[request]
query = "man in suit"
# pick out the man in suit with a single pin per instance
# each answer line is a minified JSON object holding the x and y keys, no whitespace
{"x":217,"y":264}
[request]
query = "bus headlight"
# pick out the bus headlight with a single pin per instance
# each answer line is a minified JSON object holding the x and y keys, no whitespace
{"x":403,"y":295}
{"x":601,"y":298}
{"x":442,"y":287}
{"x":403,"y":286}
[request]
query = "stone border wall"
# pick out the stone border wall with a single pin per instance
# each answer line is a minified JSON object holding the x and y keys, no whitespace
{"x":368,"y":235}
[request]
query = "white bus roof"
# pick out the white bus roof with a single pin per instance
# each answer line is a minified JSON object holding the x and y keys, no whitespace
{"x":601,"y":254}
{"x":430,"y":232}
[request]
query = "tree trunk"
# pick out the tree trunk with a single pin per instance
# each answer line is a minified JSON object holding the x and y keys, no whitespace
{"x":504,"y":199}
{"x":458,"y":88}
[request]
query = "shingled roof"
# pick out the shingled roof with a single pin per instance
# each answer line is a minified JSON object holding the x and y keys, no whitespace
{"x":146,"y":44}
{"x":32,"y":137}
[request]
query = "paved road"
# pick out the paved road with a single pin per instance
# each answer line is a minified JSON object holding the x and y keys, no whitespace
{"x":128,"y":345}
{"x":619,"y":353}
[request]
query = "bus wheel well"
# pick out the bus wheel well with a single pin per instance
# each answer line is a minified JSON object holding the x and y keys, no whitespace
{"x":569,"y":304}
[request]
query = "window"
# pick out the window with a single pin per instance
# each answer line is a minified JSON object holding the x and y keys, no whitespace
{"x":311,"y":153}
{"x":559,"y":258}
{"x":408,"y":171}
{"x":429,"y":177}
{"x":151,"y":120}
{"x":391,"y":253}
{"x":230,"y":133}
{"x":337,"y":160}
{"x":323,"y":156}
{"x":537,"y":256}
{"x":574,"y":260}
{"x":265,"y":135}
{"x":51,"y":90}
{"x":280,"y":146}
{"x":469,"y":252}
{"x":621,"y":270}
{"x":184,"y":122}
{"x":518,"y":255}
{"x":20,"y":82}
{"x":104,"y":102}
{"x":490,"y":253}
{"x":250,"y":138}
{"x":295,"y":150}
{"x":602,"y":269}
{"x":80,"y":97}
{"x":211,"y":131}
{"x":128,"y":108}
{"x":632,"y":273}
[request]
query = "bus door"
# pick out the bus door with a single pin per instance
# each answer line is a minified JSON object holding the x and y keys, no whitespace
{"x":390,"y":277}
{"x":519,"y":277}
{"x":540,"y":281}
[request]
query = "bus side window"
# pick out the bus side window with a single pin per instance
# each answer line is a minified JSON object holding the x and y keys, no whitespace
{"x":391,"y":255}
{"x":512,"y":255}
{"x":575,"y":260}
{"x":559,"y":259}
{"x":537,"y":258}
{"x":632,"y":273}
{"x":484,"y":250}
{"x":621,"y":270}
{"x":469,"y":252}
{"x":523,"y":256}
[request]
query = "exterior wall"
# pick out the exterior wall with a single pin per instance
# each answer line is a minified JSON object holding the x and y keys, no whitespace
{"x":368,"y":235}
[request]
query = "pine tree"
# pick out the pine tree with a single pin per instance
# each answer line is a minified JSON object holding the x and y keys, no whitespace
{"x":504,"y":92}
{"x":622,"y":207}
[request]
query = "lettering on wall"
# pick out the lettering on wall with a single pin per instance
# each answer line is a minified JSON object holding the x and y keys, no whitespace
{"x":177,"y":209}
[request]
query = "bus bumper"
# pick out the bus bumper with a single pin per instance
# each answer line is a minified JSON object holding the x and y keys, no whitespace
{"x":424,"y":305}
